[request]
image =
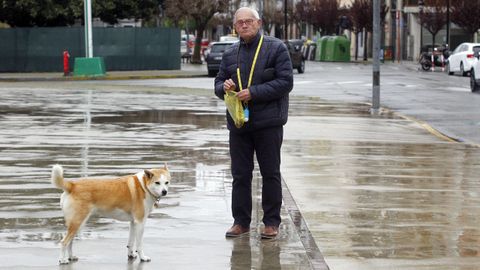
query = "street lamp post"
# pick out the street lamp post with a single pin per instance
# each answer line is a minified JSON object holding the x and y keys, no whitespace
{"x":88,"y":65}
{"x":376,"y":58}
{"x":286,"y":19}
{"x":88,"y":28}
{"x":421,"y":5}
{"x":399,"y":22}
{"x":448,"y":23}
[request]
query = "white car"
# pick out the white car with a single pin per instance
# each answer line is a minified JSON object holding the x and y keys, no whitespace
{"x":228,"y":38}
{"x":461,"y":59}
{"x":475,"y":73}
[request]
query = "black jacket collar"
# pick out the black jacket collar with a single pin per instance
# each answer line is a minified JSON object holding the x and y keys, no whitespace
{"x":254,"y":41}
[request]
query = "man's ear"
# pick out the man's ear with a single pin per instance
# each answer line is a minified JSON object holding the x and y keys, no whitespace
{"x":148,"y":174}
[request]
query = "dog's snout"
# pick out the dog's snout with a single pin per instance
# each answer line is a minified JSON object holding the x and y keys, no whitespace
{"x":164,"y":192}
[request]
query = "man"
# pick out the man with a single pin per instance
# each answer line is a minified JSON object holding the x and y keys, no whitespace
{"x":266,"y":78}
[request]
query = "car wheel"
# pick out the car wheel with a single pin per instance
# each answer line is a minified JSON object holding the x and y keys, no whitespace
{"x":462,"y":70}
{"x":448,"y":70}
{"x":212,"y":73}
{"x":474,"y":86}
{"x":301,"y":68}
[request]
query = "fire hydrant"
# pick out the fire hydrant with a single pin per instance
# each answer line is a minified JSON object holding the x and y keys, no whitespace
{"x":66,"y":57}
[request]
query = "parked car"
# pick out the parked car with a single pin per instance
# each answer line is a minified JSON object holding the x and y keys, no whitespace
{"x":475,"y":73}
{"x":228,"y":38}
{"x":461,"y":59}
{"x":295,"y":49}
{"x":214,"y":56}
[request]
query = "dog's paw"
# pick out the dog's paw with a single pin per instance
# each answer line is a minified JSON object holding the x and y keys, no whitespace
{"x":132,"y":255}
{"x":73,"y":258}
{"x":145,"y":259}
{"x":63,"y":261}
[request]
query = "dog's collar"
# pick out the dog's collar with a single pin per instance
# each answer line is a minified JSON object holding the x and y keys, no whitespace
{"x":144,"y":187}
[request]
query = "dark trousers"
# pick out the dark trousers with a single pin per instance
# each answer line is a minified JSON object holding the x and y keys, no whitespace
{"x":266,"y":144}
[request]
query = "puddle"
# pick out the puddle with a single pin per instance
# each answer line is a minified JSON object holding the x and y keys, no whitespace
{"x":91,"y":135}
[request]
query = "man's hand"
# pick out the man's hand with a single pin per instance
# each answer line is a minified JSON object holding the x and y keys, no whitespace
{"x":229,"y":85}
{"x":244,"y":95}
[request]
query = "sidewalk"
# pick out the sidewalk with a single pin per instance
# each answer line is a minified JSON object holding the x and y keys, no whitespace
{"x":381,"y":192}
{"x":186,"y":71}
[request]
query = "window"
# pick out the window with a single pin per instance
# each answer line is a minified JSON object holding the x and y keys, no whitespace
{"x":219,"y":48}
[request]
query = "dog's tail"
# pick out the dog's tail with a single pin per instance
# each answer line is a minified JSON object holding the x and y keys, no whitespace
{"x":57,"y":179}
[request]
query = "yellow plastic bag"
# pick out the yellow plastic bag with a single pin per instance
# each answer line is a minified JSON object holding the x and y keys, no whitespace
{"x":235,"y":108}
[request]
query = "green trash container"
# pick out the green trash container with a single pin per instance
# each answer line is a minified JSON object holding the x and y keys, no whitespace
{"x":337,"y":49}
{"x":321,"y":48}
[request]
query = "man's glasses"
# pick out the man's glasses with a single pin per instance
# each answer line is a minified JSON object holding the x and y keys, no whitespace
{"x":247,"y":22}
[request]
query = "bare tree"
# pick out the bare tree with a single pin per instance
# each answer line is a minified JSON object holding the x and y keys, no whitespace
{"x":360,"y":15}
{"x":433,"y":17}
{"x":323,"y":15}
{"x":465,"y":13}
{"x":299,"y":14}
{"x":175,"y":11}
{"x":200,"y":11}
{"x":295,"y":12}
{"x":272,"y":16}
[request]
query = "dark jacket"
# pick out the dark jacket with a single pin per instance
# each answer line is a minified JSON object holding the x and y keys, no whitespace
{"x":271,"y":83}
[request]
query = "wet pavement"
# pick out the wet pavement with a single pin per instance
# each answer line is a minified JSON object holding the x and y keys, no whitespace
{"x":381,"y":192}
{"x":102,"y":133}
{"x":371,"y":192}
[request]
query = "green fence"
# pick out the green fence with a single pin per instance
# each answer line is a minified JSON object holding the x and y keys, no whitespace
{"x":41,"y":49}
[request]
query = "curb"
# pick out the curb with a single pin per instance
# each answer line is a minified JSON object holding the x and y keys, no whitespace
{"x":315,"y":256}
{"x":424,"y":125}
{"x":430,"y":128}
{"x":103,"y":78}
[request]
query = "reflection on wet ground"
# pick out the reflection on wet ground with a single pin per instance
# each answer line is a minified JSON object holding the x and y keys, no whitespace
{"x":380,"y":195}
{"x":105,"y":133}
{"x":377,"y":192}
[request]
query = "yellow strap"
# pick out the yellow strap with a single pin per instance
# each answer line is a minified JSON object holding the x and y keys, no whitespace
{"x":253,"y":66}
{"x":239,"y":78}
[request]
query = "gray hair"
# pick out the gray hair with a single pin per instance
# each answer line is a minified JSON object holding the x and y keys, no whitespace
{"x":251,"y":10}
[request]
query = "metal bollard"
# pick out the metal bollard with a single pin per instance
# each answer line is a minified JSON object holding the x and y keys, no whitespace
{"x":433,"y":62}
{"x":443,"y":62}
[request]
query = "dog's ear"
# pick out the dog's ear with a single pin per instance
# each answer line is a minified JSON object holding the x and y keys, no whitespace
{"x":165,"y":166}
{"x":148,"y":174}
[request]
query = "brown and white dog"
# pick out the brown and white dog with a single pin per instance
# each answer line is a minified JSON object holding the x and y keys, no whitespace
{"x":128,"y":198}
